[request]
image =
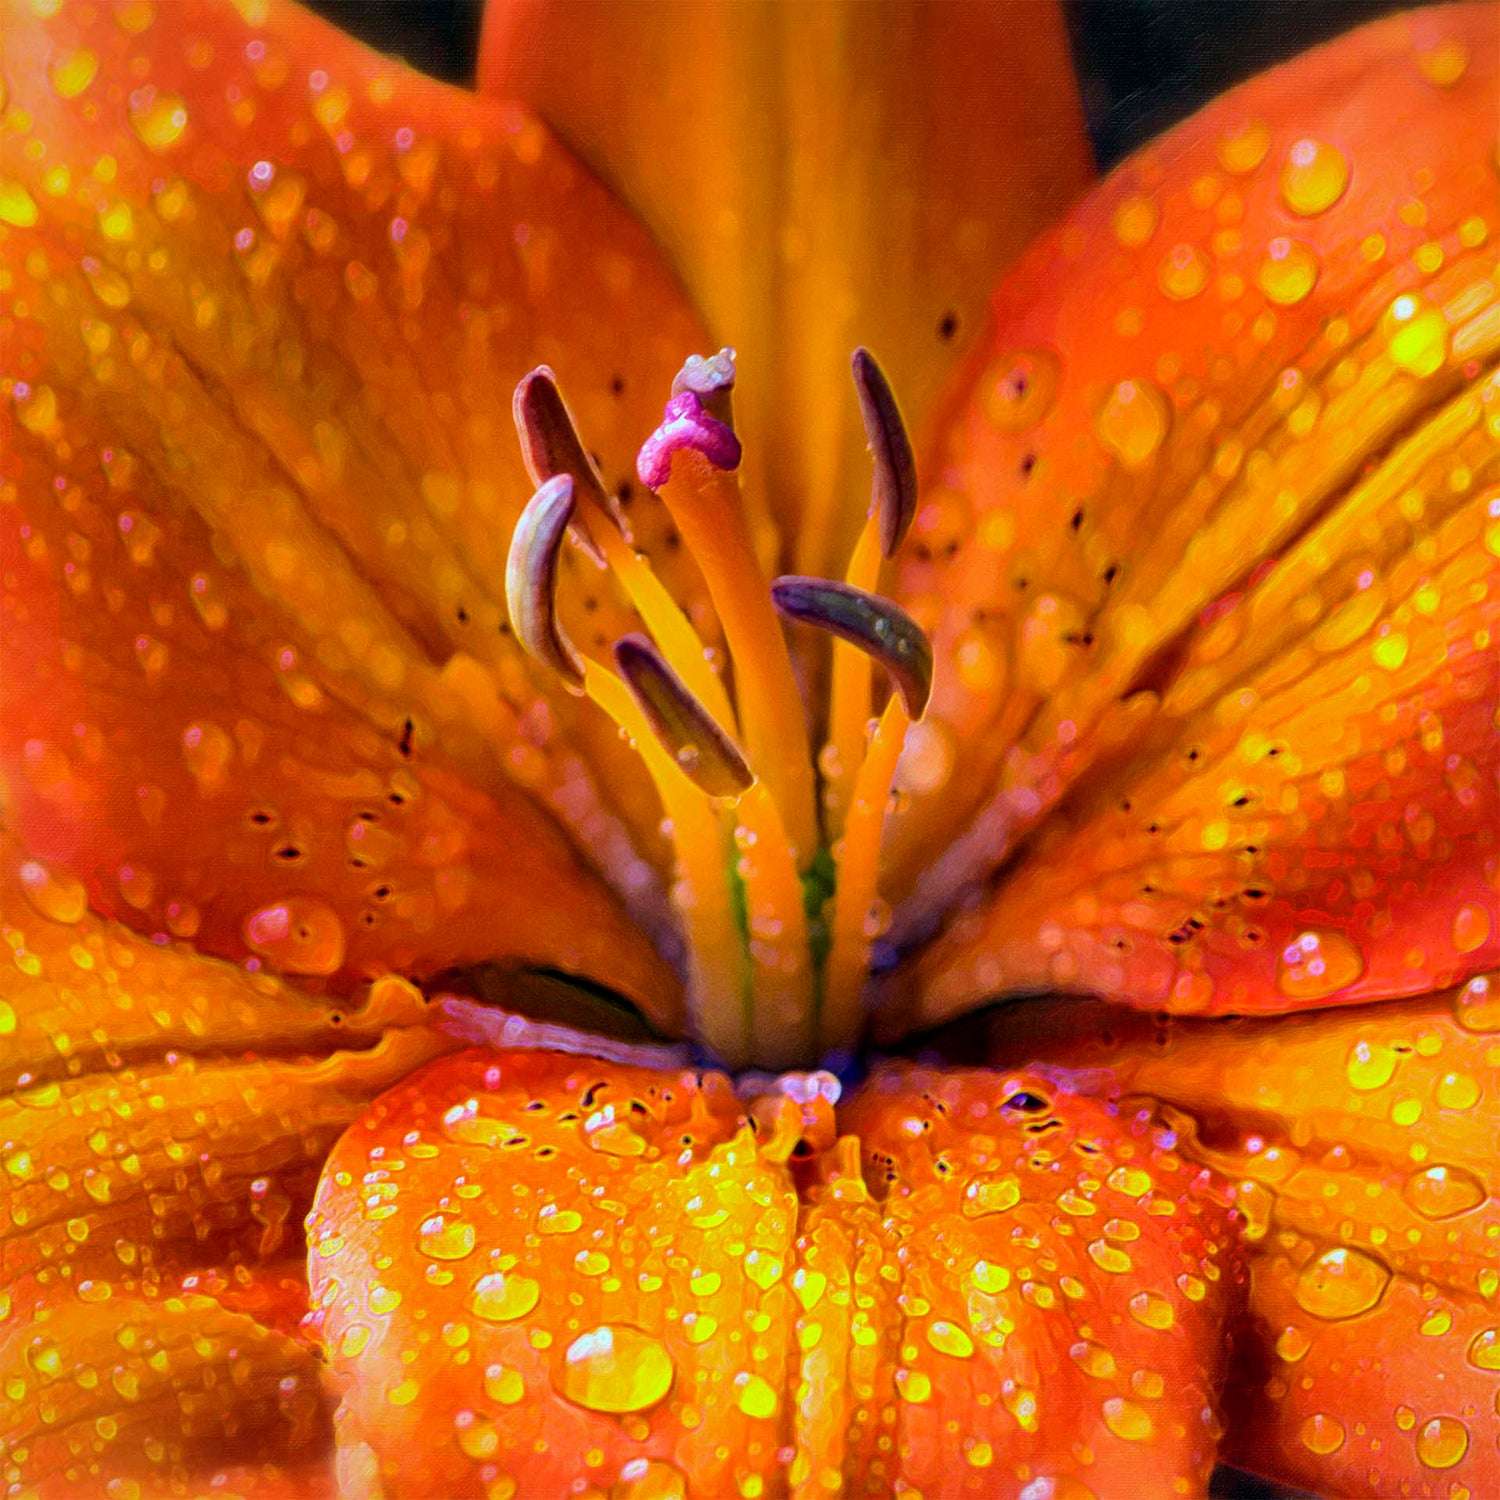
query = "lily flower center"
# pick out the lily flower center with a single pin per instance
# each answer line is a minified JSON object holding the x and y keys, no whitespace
{"x":776,"y":885}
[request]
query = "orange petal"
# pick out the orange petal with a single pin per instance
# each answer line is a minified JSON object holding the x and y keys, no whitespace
{"x":1364,"y":1146}
{"x":1213,"y":574}
{"x":824,"y":176}
{"x":538,"y":1274}
{"x":267,"y":296}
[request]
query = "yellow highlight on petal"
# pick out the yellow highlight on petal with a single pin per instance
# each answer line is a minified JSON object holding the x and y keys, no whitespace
{"x":17,"y":206}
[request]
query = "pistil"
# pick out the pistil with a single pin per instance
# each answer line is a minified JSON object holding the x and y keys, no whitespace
{"x":778,"y":925}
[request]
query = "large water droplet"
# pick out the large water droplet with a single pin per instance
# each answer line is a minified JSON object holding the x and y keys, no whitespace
{"x":1127,"y":1420}
{"x":1314,"y":177}
{"x":1477,"y":1005}
{"x":1341,"y":1283}
{"x":1322,"y":1434}
{"x":1370,"y":1065}
{"x":1442,"y":1442}
{"x":616,"y":1368}
{"x":1109,"y":1257}
{"x":1441,"y":1191}
{"x":158,"y":119}
{"x":1317,"y":963}
{"x":991,"y":1195}
{"x":1132,"y":424}
{"x":755,"y":1395}
{"x":555,"y":1220}
{"x":1151,"y":1309}
{"x":446,"y":1239}
{"x":1457,"y":1091}
{"x":503,"y":1384}
{"x":1484,"y":1349}
{"x":649,"y":1479}
{"x":56,"y":895}
{"x":499,"y":1298}
{"x":948,"y":1338}
{"x":297,"y":936}
{"x":1093,"y":1359}
{"x":1288,"y":272}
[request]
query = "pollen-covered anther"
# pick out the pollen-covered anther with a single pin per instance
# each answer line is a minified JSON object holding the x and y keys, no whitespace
{"x":694,"y":739}
{"x":531,"y":579}
{"x":880,"y":628}
{"x":893,"y":489}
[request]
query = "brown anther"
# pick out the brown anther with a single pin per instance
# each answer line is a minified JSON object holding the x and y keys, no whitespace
{"x":691,"y":735}
{"x":893,"y":489}
{"x":880,"y":628}
{"x":531,"y":579}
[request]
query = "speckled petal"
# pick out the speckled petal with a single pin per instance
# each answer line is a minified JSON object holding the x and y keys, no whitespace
{"x":266,"y":296}
{"x":546,"y":1273}
{"x":1212,"y":562}
{"x":826,"y":176}
{"x":1363,"y":1145}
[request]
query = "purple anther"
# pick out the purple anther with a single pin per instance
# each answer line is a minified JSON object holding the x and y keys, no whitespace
{"x":685,"y":424}
{"x":551,"y":445}
{"x":893,"y":490}
{"x":531,"y":579}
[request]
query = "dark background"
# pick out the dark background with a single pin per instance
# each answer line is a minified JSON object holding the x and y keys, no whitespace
{"x":1141,"y":64}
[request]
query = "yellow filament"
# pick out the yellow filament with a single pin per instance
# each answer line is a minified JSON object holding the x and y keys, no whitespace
{"x":849,"y":693}
{"x":715,"y":978}
{"x":858,"y":857}
{"x":781,"y":977}
{"x":705,"y":503}
{"x":663,"y":617}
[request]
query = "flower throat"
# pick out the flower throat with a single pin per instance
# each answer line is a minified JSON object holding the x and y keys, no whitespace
{"x":777,"y":864}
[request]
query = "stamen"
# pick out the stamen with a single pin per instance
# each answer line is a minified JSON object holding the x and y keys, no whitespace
{"x":531,"y":579}
{"x":893,"y":505}
{"x":878,"y":627}
{"x":891,"y":637}
{"x":704,"y":752}
{"x":551,"y":445}
{"x":690,"y":461}
{"x":489,"y":1026}
{"x":893,"y":493}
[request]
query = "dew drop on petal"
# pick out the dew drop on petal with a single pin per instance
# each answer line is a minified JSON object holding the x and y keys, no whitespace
{"x":649,"y":1479}
{"x":499,"y":1298}
{"x":1132,"y":423}
{"x":445,"y":1238}
{"x":1484,"y":1350}
{"x":158,"y":119}
{"x":1442,"y":1442}
{"x":1341,"y":1283}
{"x":1322,"y":1434}
{"x":1127,"y":1420}
{"x":1440,"y":1192}
{"x":1318,"y":963}
{"x":1288,"y":272}
{"x":947,"y":1338}
{"x":53,"y":892}
{"x":1477,"y":1005}
{"x":1151,"y":1309}
{"x":1370,"y":1066}
{"x":991,"y":1195}
{"x":297,"y":936}
{"x":615,"y":1368}
{"x":1313,"y":178}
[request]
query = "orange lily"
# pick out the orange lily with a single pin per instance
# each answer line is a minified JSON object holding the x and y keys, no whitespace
{"x":1194,"y":709}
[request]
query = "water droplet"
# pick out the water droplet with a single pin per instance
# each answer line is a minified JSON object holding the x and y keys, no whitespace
{"x":1018,"y":389}
{"x":499,"y":1298}
{"x":297,"y":936}
{"x":1440,"y":1191}
{"x":756,"y":1395}
{"x":615,"y":1368}
{"x":591,"y":1262}
{"x":1341,"y":1283}
{"x":1457,"y":1091}
{"x":1444,"y":64}
{"x":649,"y":1479}
{"x":73,"y":71}
{"x":1484,"y":1349}
{"x":1183,"y":273}
{"x":1132,"y":424}
{"x":1243,"y":150}
{"x":1152,"y":1309}
{"x":53,"y":892}
{"x":1135,"y":221}
{"x":1436,"y":1324}
{"x":1442,"y":1442}
{"x":356,"y":1336}
{"x":158,"y":119}
{"x":1127,"y":1420}
{"x":1477,"y":1005}
{"x":1417,"y":335}
{"x":1322,"y":1434}
{"x":1370,"y":1065}
{"x":989,"y":1278}
{"x":478,"y":1438}
{"x":948,"y":1338}
{"x":809,"y":1287}
{"x":1293,"y":1343}
{"x":763,"y":1268}
{"x":446,"y":1239}
{"x":615,"y":1135}
{"x":1471,"y":927}
{"x":1093,"y":1359}
{"x":1132,"y":1181}
{"x":555,"y":1220}
{"x":1288,"y":272}
{"x":1318,"y":963}
{"x":1314,"y":178}
{"x":705,"y":1283}
{"x":1109,"y":1257}
{"x":913,"y":1386}
{"x":991,"y":1195}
